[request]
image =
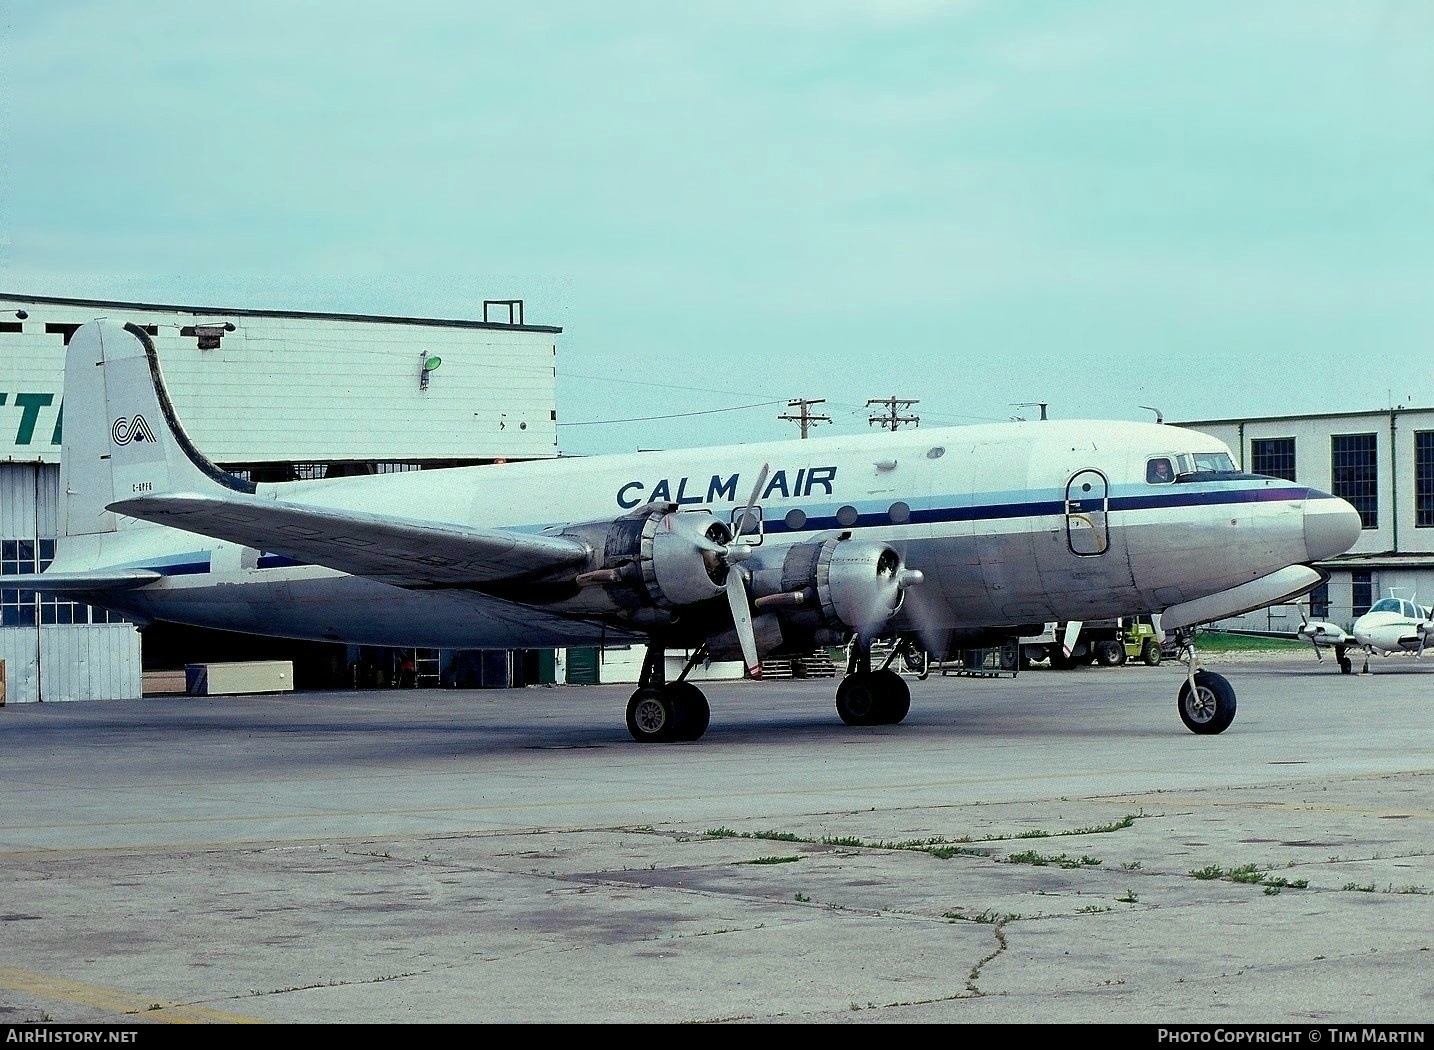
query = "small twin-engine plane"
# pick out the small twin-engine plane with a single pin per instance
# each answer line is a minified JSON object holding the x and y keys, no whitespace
{"x":945,"y":539}
{"x":1392,"y":625}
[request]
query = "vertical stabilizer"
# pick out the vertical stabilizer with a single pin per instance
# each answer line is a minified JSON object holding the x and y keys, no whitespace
{"x":121,"y":437}
{"x":86,"y":477}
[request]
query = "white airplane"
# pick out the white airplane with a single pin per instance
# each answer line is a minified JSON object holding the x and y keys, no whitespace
{"x":951,"y":538}
{"x":1392,"y":625}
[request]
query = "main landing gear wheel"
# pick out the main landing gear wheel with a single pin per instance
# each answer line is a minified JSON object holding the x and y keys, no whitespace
{"x":662,"y":714}
{"x":693,"y":713}
{"x":873,"y":698}
{"x":1210,"y":707}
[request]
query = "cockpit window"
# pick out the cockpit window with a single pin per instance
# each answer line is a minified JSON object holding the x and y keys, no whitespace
{"x":1214,"y":463}
{"x":1159,"y":471}
{"x":1386,"y":605}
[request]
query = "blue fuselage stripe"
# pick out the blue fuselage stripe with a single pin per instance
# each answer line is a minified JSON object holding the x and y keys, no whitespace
{"x":1163,"y":499}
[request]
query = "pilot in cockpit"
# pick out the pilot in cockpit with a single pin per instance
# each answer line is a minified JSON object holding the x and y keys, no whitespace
{"x":1158,"y":472}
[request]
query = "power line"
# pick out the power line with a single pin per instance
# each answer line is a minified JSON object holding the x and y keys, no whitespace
{"x":893,"y":418}
{"x":804,"y":418}
{"x":671,"y":415}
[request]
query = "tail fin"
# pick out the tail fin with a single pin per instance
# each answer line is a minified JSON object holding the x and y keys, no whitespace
{"x":122,"y":437}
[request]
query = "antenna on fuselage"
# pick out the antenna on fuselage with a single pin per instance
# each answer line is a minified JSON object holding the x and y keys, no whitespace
{"x":1159,"y":415}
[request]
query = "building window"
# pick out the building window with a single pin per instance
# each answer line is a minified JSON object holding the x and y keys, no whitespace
{"x":1424,"y":479}
{"x":1362,"y":585}
{"x":55,"y":609}
{"x":1355,"y":473}
{"x":1273,"y":457}
{"x":1319,"y":602}
{"x":17,"y":607}
{"x":27,"y":608}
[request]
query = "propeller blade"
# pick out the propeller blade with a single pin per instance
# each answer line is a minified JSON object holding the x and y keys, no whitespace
{"x":919,"y":607}
{"x":746,"y":519}
{"x":1069,"y":640}
{"x":742,"y":621}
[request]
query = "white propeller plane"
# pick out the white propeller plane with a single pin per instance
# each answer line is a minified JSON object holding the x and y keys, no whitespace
{"x":951,"y":538}
{"x":1392,"y":625}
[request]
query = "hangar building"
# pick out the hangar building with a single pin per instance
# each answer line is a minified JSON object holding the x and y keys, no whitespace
{"x":1383,"y":463}
{"x":272,"y":395}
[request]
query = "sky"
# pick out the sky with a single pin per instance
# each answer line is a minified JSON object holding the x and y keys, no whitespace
{"x":1213,"y":210}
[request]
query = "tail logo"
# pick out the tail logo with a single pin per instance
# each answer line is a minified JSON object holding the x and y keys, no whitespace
{"x":126,"y":430}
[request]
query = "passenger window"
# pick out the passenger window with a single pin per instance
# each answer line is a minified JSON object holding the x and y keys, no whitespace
{"x":1159,"y":472}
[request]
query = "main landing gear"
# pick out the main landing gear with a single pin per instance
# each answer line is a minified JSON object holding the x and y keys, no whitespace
{"x":1346,"y":665}
{"x":1207,"y":700}
{"x":662,"y":712}
{"x":872,"y":698}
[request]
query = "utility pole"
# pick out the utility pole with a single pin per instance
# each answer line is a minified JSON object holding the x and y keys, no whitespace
{"x":805,"y":418}
{"x":893,"y":418}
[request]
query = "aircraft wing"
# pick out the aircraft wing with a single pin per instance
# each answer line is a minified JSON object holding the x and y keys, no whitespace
{"x":399,"y":551}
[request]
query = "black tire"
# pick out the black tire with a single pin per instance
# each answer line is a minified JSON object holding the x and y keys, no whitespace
{"x":1210,"y":708}
{"x":1110,"y":654}
{"x":915,"y":660}
{"x":1151,"y":654}
{"x":894,"y":697}
{"x":651,"y":717}
{"x":858,"y":702}
{"x":1346,"y":665}
{"x":1011,"y":657}
{"x":691,"y":710}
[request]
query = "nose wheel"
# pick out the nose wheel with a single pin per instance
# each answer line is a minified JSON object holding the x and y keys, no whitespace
{"x":1207,"y":703}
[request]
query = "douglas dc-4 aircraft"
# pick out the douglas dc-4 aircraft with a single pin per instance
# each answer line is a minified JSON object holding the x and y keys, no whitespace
{"x":1392,"y":625}
{"x":946,"y":539}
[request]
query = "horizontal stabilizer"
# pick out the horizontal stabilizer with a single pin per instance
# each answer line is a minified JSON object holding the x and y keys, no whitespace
{"x":82,"y":582}
{"x":403,"y":552}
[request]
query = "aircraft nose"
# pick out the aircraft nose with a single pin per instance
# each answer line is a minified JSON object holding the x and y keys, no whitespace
{"x":1331,"y":526}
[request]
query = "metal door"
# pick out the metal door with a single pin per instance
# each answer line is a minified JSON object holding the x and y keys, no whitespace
{"x":1087,"y":503}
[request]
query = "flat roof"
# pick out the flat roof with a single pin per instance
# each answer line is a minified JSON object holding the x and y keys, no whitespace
{"x":1295,"y":418}
{"x":240,"y":312}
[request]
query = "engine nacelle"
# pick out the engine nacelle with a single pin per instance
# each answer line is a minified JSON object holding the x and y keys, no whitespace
{"x":832,"y":585}
{"x":646,"y":566}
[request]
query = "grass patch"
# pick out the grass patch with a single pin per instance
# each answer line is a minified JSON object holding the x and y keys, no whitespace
{"x":1251,"y":874}
{"x":771,"y":860}
{"x":945,"y":848}
{"x":1058,"y":859}
{"x":1223,"y":642}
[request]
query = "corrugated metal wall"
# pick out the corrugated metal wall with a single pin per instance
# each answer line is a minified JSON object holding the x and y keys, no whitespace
{"x":17,"y":500}
{"x":58,"y":661}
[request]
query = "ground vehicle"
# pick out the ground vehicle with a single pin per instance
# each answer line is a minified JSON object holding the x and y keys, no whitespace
{"x":1107,"y":642}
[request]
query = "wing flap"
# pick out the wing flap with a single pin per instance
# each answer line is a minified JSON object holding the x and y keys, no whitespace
{"x":400,"y":551}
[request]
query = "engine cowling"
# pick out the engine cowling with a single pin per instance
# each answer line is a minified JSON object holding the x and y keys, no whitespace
{"x":832,"y":586}
{"x":645,"y":566}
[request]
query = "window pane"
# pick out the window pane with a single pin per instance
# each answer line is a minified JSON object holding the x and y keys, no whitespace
{"x":1273,"y":457}
{"x":1363,"y":584}
{"x":1424,"y":479}
{"x":1355,"y":474}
